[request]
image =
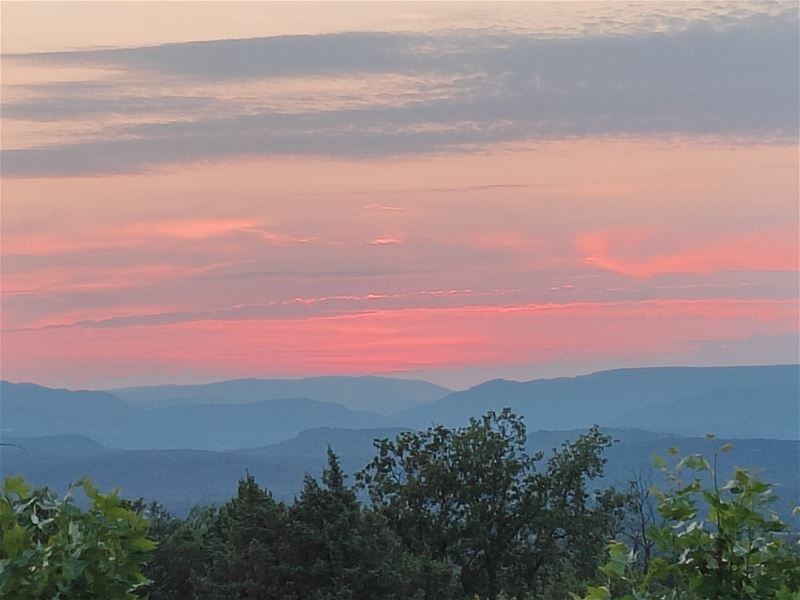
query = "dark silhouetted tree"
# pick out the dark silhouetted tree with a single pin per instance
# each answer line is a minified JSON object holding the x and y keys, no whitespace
{"x":473,"y":499}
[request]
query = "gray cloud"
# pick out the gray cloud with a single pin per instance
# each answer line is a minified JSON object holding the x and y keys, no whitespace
{"x":280,"y":56}
{"x":741,"y":82}
{"x":89,"y":106}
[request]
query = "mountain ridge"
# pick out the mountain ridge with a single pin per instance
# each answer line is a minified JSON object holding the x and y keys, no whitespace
{"x":380,"y":395}
{"x":607,"y":397}
{"x":685,"y":401}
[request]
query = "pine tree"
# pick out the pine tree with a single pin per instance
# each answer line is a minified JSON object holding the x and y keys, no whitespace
{"x":245,"y":545}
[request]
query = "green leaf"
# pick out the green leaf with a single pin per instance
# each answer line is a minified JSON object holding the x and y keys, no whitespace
{"x":15,"y":484}
{"x":613,"y":569}
{"x":142,"y":543}
{"x":14,"y":539}
{"x":695,"y":462}
{"x":597,"y":593}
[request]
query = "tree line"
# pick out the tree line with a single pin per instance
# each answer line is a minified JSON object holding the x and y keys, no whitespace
{"x":446,"y":513}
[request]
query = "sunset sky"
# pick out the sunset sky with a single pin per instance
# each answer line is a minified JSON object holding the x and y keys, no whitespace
{"x":448,"y":191}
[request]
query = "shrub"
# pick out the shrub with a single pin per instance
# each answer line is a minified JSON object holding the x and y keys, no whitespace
{"x":716,"y":542}
{"x":50,"y":548}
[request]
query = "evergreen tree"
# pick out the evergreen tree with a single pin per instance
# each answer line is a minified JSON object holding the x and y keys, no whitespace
{"x":244,"y":547}
{"x":181,"y":553}
{"x":341,"y":551}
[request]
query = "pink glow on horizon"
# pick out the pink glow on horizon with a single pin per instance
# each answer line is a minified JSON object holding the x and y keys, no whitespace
{"x":379,"y":341}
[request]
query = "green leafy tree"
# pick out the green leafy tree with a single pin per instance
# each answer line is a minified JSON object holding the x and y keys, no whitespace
{"x":722,"y":541}
{"x":51,"y":548}
{"x":716,"y":542}
{"x":472,"y":499}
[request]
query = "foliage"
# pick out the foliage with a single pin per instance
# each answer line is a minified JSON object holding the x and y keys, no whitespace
{"x":181,"y":548}
{"x":325,"y":546}
{"x":52,"y":549}
{"x":453,"y":514}
{"x":472,"y":499}
{"x":243,"y":547}
{"x":341,"y":551}
{"x":717,"y":542}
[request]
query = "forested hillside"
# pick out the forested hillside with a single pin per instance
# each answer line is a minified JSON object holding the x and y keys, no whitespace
{"x":445,"y":513}
{"x":181,"y":479}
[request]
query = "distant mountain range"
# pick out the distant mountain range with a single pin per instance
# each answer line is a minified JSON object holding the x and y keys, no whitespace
{"x":30,"y":410}
{"x":381,"y":395}
{"x":741,"y":402}
{"x":735,"y":402}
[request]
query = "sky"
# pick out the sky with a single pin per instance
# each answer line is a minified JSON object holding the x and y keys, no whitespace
{"x":447,"y":191}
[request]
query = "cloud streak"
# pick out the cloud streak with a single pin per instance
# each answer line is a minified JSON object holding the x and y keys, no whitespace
{"x":627,"y":253}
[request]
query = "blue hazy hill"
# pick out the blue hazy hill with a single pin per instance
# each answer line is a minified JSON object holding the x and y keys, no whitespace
{"x":738,"y":402}
{"x":382,"y":395}
{"x":753,"y":401}
{"x":29,"y":410}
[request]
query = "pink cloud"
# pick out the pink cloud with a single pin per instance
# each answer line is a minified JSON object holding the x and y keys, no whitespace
{"x":644,"y":253}
{"x":61,"y":279}
{"x":189,"y":229}
{"x":384,"y":207}
{"x":126,"y":235}
{"x":385,"y":241}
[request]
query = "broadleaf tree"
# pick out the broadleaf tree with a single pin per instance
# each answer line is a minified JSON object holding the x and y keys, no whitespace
{"x":475,"y":500}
